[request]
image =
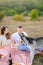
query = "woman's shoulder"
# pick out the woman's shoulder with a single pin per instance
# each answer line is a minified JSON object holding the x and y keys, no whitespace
{"x":1,"y":37}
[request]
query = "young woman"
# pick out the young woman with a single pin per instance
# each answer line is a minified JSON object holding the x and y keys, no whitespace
{"x":5,"y":36}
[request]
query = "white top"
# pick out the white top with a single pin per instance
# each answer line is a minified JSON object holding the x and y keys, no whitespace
{"x":3,"y":40}
{"x":17,"y":38}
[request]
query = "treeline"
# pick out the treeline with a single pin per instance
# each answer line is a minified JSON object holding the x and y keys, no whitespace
{"x":12,"y":7}
{"x":21,"y":6}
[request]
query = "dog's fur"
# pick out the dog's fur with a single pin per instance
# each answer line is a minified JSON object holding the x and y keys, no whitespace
{"x":38,"y":41}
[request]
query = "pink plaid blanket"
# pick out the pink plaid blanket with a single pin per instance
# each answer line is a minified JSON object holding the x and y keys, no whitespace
{"x":17,"y":56}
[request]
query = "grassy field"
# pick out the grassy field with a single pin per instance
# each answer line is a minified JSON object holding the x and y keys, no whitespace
{"x":33,"y":28}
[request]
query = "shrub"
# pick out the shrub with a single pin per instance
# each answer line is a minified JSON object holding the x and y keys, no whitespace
{"x":41,"y":13}
{"x":25,"y":13}
{"x":19,"y":17}
{"x":34,"y":14}
{"x":11,"y":12}
{"x":2,"y":14}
